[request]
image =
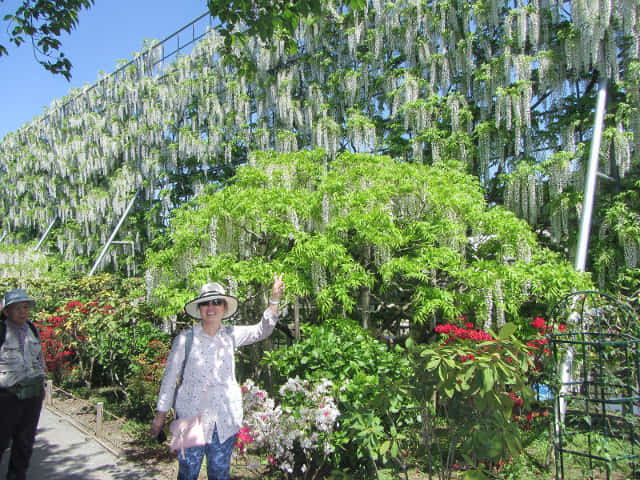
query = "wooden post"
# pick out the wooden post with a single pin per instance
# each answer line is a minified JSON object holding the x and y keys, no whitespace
{"x":49,"y":391}
{"x":99,"y":419}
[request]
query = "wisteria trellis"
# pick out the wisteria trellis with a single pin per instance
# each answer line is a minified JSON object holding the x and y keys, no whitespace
{"x":485,"y":81}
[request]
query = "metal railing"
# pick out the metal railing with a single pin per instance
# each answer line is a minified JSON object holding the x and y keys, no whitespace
{"x":196,"y":30}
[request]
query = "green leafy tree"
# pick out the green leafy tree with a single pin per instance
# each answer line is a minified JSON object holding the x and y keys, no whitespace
{"x":262,"y":18}
{"x":382,"y":241}
{"x":43,"y":22}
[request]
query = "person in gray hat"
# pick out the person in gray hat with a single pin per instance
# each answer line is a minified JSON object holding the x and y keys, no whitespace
{"x":203,"y":357}
{"x":22,"y":373}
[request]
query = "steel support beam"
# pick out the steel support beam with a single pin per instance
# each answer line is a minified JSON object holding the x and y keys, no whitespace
{"x":45,"y":234}
{"x":113,"y":234}
{"x":590,"y":182}
{"x":566,"y":363}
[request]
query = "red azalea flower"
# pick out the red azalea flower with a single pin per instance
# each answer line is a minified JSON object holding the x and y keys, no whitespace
{"x":539,"y":323}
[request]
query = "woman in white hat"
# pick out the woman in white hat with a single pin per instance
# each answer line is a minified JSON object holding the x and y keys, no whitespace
{"x":208,"y":386}
{"x":22,"y":375}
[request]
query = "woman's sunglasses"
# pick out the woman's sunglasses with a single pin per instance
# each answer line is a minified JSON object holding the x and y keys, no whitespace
{"x":215,"y":302}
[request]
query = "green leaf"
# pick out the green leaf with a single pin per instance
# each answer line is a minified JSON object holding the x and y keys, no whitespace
{"x":433,"y":363}
{"x":507,"y":330}
{"x":395,"y":449}
{"x":488,"y":379}
{"x":384,"y":448}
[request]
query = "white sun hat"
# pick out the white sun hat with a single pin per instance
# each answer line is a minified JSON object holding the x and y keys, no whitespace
{"x":209,"y":291}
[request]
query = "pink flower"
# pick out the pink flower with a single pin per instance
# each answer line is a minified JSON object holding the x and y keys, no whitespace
{"x":243,"y":439}
{"x":245,"y":435}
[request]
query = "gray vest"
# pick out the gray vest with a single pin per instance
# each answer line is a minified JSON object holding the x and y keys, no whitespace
{"x":14,"y":365}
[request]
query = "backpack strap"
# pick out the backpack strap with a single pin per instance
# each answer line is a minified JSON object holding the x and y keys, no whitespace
{"x":187,"y":349}
{"x":34,"y":329}
{"x":3,"y":331}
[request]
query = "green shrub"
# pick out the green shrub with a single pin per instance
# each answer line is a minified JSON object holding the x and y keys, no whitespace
{"x":143,"y":383}
{"x":373,"y":387}
{"x":473,"y":384}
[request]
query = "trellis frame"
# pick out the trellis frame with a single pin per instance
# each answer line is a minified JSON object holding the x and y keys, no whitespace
{"x":602,"y":395}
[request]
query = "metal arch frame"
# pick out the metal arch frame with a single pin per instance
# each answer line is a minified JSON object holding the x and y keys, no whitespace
{"x":602,"y":391}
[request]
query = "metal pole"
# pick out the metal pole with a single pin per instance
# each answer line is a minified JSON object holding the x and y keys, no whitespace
{"x":113,"y":234}
{"x":4,"y":234}
{"x":566,"y":361}
{"x":45,"y":234}
{"x":590,"y":184}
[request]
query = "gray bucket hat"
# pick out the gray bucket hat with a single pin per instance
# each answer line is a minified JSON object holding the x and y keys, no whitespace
{"x":209,"y":291}
{"x":16,"y":296}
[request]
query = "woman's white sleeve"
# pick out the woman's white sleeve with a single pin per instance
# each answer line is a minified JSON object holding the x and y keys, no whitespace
{"x":248,"y":334}
{"x":171,"y":372}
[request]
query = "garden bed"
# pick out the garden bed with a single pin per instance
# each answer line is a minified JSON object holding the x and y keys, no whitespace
{"x":118,"y":440}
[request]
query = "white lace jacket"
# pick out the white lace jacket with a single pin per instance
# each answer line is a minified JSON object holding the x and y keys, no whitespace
{"x":210,"y":366}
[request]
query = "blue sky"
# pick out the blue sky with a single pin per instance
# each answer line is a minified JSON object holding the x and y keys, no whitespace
{"x":110,"y":31}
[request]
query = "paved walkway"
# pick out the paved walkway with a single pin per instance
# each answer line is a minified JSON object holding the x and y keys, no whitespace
{"x":62,"y":452}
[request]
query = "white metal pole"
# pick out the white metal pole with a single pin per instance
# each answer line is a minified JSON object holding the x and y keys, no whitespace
{"x":590,"y":183}
{"x":113,"y":234}
{"x":45,"y":234}
{"x":564,"y":368}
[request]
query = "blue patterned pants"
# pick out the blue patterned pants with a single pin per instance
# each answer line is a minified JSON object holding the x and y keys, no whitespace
{"x":218,"y":459}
